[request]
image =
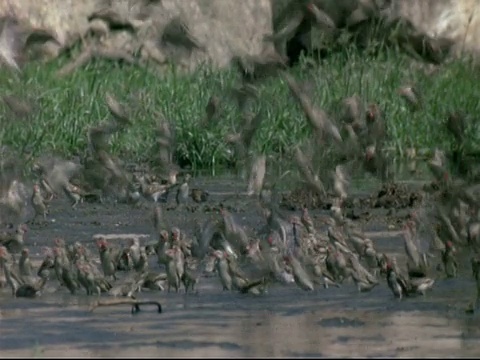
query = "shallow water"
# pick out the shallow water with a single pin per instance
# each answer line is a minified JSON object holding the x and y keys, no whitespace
{"x":285,"y":322}
{"x":330,"y":322}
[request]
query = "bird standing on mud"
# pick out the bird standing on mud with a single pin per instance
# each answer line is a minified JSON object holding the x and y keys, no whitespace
{"x":172,"y":268}
{"x":162,"y":246}
{"x":48,"y":264}
{"x":157,"y":219}
{"x":396,"y":283}
{"x":257,"y":175}
{"x":108,"y":258}
{"x":189,"y":278}
{"x":64,"y":270}
{"x":450,"y":264}
{"x":39,"y":203}
{"x":221,"y":266}
{"x":301,"y":277}
{"x":25,"y":265}
{"x":74,"y":193}
{"x":183,"y":191}
{"x":14,"y":242}
{"x":12,"y":278}
{"x":362,"y":284}
{"x":22,"y":286}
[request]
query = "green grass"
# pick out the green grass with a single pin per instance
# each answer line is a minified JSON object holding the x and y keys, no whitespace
{"x":68,"y":106}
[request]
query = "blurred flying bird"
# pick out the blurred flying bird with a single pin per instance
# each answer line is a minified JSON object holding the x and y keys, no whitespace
{"x":257,"y":175}
{"x":10,"y":43}
{"x":412,"y":96}
{"x":117,"y":110}
{"x":177,"y":33}
{"x":317,"y":118}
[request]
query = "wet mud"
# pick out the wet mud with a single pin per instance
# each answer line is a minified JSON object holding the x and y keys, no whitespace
{"x":333,"y":322}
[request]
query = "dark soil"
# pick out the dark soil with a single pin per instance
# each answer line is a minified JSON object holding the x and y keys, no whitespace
{"x":390,"y":196}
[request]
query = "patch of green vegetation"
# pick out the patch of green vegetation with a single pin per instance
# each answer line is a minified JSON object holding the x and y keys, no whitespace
{"x":68,"y":106}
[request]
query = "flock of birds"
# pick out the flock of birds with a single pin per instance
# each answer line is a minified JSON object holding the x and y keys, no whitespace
{"x":296,"y":251}
{"x":286,"y":250}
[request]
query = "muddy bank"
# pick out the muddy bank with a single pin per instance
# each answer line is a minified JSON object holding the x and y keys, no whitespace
{"x":284,"y":322}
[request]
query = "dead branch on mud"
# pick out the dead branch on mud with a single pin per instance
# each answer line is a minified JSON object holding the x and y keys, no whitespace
{"x":134,"y":303}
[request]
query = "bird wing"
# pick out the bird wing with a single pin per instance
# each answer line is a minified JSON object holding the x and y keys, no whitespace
{"x":286,"y":30}
{"x":10,"y":45}
{"x":98,"y":135}
{"x":117,"y":110}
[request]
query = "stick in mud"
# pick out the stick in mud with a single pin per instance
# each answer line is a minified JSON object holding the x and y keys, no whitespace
{"x":135,"y":304}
